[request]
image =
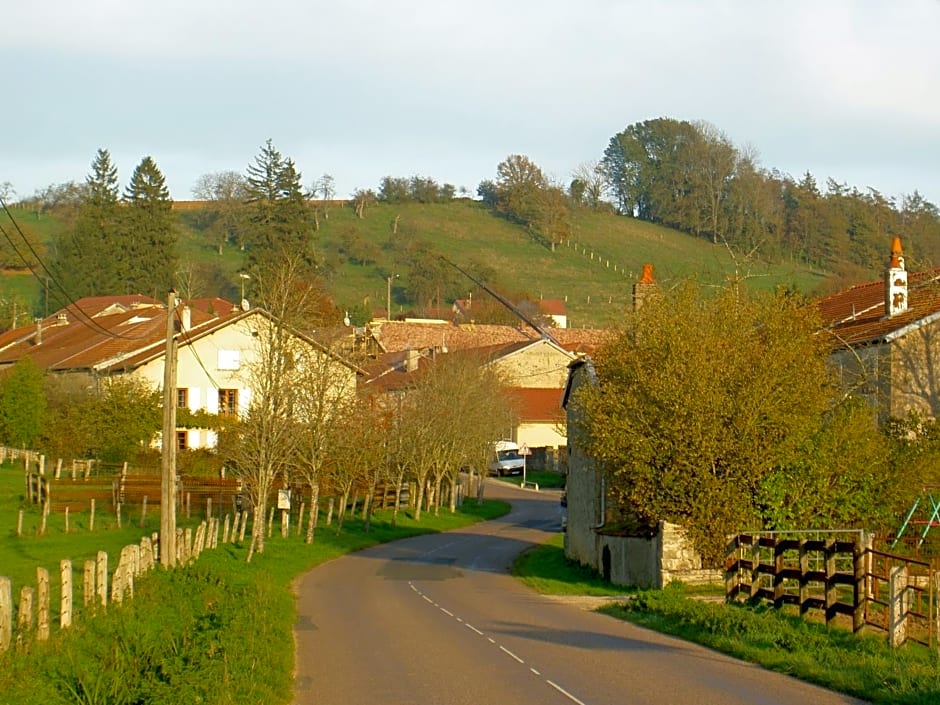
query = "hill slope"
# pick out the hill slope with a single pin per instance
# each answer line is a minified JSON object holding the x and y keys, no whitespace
{"x":593,"y":272}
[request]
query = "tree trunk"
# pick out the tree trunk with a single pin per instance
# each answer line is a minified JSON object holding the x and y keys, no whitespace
{"x":314,"y":511}
{"x":419,"y":498}
{"x":257,"y":532}
{"x":454,"y":482}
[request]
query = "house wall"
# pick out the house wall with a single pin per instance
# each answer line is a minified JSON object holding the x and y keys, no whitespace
{"x":914,"y":379}
{"x":541,"y":366}
{"x":209,"y":364}
{"x":899,"y":376}
{"x":540,"y":435}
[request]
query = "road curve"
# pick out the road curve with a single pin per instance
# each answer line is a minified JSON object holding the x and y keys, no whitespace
{"x":437,"y":620}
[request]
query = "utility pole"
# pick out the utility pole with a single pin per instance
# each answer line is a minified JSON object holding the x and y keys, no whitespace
{"x":168,"y":455}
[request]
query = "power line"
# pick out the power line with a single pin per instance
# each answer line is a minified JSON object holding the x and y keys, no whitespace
{"x":89,"y":322}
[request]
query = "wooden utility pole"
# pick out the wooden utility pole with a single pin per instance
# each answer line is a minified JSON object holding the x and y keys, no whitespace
{"x":168,"y":455}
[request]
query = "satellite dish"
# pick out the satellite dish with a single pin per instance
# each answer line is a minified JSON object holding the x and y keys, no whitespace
{"x":245,"y":305}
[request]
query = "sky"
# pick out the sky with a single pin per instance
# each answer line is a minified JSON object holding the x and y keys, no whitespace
{"x":362,"y":89}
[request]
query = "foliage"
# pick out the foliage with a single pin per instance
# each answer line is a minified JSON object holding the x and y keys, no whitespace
{"x":113,"y":423}
{"x":706,"y":405}
{"x":279,"y":221}
{"x":148,"y":232}
{"x":22,"y":405}
{"x":861,"y":665}
{"x":418,"y":189}
{"x":84,"y":258}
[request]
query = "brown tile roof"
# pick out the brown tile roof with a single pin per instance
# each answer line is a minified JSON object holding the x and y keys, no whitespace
{"x":395,"y":336}
{"x":535,"y":405}
{"x":857,"y":316}
{"x":76,"y":338}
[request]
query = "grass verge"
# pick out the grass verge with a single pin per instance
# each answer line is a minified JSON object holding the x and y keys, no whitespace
{"x":860,"y":665}
{"x":216,"y":632}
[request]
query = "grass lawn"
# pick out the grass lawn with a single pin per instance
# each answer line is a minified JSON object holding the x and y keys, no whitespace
{"x":217,"y":631}
{"x":860,"y":665}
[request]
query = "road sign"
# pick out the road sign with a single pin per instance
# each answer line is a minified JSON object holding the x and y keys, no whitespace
{"x":524,"y":450}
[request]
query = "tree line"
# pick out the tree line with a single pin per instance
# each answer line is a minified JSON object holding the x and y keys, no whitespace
{"x":690,"y":176}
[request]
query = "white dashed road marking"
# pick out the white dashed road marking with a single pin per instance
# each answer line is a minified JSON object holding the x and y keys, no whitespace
{"x":502,"y":648}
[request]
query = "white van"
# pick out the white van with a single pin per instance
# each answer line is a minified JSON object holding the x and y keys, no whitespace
{"x":506,"y":459}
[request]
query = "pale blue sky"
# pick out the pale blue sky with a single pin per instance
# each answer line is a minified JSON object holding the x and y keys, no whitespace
{"x":361,"y":89}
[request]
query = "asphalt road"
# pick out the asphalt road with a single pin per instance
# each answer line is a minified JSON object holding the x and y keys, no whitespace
{"x":437,"y":620}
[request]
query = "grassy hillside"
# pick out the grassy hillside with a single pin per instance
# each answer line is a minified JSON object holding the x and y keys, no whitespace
{"x":593,"y":272}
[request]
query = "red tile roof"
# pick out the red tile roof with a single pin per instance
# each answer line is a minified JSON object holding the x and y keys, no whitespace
{"x":857,"y":316}
{"x":538,"y":405}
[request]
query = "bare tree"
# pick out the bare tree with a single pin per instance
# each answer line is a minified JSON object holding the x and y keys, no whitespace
{"x":267,"y":438}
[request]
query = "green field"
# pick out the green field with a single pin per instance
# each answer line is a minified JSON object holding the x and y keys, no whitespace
{"x":593,"y":272}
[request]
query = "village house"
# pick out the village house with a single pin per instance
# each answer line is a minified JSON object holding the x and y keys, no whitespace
{"x":886,"y":339}
{"x":97,"y":338}
{"x":534,"y":364}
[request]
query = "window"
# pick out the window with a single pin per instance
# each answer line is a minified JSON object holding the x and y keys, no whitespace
{"x":228,"y":359}
{"x":181,"y":440}
{"x":182,"y":398}
{"x":228,"y":402}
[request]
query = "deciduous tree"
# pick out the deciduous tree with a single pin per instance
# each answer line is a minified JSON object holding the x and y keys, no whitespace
{"x":703,"y":401}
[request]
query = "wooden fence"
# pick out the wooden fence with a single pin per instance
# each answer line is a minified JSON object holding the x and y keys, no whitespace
{"x":839,"y":574}
{"x":32,"y":616}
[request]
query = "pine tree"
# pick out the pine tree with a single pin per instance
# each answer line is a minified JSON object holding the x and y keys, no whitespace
{"x":148,"y":232}
{"x":82,"y":258}
{"x":280,"y":222}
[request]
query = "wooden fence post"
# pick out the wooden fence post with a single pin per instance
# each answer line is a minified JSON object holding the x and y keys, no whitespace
{"x":225,"y":528}
{"x":832,"y":594}
{"x":6,"y":614}
{"x":24,"y":614}
{"x":755,"y":566}
{"x":88,"y":583}
{"x":143,"y":512}
{"x":859,"y":593}
{"x":101,"y":578}
{"x":42,"y":606}
{"x":897,"y":589}
{"x":285,"y":523}
{"x":241,"y":530}
{"x":778,"y":572}
{"x":65,"y":609}
{"x":91,"y":519}
{"x":19,"y":523}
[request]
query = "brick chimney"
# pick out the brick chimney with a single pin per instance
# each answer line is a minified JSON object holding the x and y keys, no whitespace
{"x":644,"y":287}
{"x":895,"y":281}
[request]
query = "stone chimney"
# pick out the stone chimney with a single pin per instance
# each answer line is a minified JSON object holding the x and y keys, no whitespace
{"x":644,"y":287}
{"x":895,"y":281}
{"x":411,"y":359}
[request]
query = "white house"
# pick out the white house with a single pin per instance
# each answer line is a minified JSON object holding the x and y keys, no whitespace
{"x":104,"y":337}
